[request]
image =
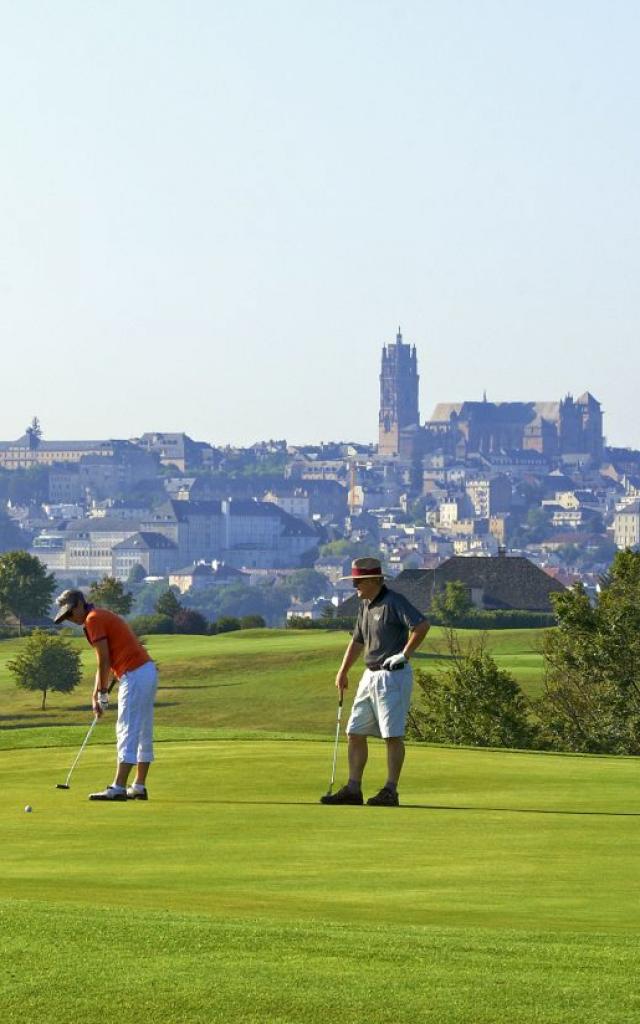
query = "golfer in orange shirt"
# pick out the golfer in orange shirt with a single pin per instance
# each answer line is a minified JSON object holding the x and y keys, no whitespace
{"x":119,"y":653}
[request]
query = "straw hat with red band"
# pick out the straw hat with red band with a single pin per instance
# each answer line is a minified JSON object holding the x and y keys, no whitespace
{"x":365,"y":569}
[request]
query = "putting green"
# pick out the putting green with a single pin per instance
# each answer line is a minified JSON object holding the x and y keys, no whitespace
{"x":503,"y":890}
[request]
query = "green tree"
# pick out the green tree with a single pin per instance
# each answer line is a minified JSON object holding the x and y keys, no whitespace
{"x":591,"y":700}
{"x":46,"y":662}
{"x":11,"y":535}
{"x":137,"y":575}
{"x":451,"y":604}
{"x":305,"y":584}
{"x":187,"y":620}
{"x":348,"y":549}
{"x":472,"y":703}
{"x":168,"y":604}
{"x":146,"y":597}
{"x":228,"y":624}
{"x":252,"y":622}
{"x":26,"y":588}
{"x":110,"y":593}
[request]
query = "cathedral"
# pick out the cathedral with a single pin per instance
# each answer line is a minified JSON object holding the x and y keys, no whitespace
{"x":566,"y":427}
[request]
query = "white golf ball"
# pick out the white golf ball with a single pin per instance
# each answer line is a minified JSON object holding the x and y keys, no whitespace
{"x":28,"y":809}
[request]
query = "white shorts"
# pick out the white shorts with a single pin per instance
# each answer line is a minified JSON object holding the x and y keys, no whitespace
{"x":134,"y":730}
{"x":382,"y":703}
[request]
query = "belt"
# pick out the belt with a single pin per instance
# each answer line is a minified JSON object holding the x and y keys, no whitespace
{"x":378,"y":667}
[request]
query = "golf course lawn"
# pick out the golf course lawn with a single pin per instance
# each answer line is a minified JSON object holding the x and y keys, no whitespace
{"x":267,"y":680}
{"x":504,"y":889}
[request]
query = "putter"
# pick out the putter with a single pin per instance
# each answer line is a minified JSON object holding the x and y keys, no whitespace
{"x":335,"y":745}
{"x":65,"y":785}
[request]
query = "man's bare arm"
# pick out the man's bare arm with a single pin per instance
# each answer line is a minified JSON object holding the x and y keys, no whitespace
{"x":416,"y":636}
{"x":351,"y":655}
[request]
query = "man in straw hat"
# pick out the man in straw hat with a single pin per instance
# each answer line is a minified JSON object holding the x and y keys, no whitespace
{"x":388,"y":630}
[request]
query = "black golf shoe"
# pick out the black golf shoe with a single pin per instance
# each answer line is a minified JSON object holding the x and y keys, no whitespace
{"x":385,"y":798}
{"x":343,"y":796}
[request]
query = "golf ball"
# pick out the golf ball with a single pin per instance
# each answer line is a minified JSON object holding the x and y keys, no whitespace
{"x":28,"y":809}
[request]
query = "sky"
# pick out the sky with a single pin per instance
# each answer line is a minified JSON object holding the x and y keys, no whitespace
{"x":214,"y":213}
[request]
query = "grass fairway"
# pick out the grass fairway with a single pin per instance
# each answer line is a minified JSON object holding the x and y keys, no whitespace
{"x":505,"y":889}
{"x":267,"y":680}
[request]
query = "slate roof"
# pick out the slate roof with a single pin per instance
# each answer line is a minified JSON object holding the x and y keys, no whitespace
{"x":507,"y":582}
{"x":102,"y":524}
{"x":630,"y":510}
{"x":181,"y":511}
{"x":146,"y":541}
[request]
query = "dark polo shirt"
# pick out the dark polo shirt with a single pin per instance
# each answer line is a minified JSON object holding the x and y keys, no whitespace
{"x":383,"y":625}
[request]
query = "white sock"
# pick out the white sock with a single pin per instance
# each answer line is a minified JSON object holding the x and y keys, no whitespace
{"x":139,"y":786}
{"x":116,"y":786}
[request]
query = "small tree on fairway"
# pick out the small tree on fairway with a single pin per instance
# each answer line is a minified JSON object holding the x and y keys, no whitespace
{"x":46,"y":662}
{"x":110,"y":593}
{"x":168,"y":604}
{"x":26,"y":588}
{"x":473,"y":703}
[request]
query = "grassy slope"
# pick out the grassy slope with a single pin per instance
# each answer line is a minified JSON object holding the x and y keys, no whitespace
{"x":501,"y":892}
{"x":255,"y":679}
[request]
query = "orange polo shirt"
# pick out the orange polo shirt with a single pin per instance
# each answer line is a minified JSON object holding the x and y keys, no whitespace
{"x":126,"y":653}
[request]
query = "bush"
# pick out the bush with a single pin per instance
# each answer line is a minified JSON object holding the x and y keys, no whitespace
{"x":189,"y":621}
{"x":150,"y":624}
{"x":252,"y":622}
{"x":338,"y":622}
{"x":227,"y":624}
{"x":473,"y":703}
{"x":499,"y":619}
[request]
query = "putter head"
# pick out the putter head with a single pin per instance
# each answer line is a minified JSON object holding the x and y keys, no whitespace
{"x":62,"y":785}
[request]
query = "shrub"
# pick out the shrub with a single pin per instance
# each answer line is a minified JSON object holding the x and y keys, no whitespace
{"x":227,"y":624}
{"x":473,"y":703}
{"x":150,"y":624}
{"x":189,"y":621}
{"x":252,"y":622}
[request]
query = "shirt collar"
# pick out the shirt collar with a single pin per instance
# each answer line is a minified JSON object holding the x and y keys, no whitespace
{"x":378,"y":597}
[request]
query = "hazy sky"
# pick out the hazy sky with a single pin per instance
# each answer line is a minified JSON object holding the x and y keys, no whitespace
{"x":213,"y":213}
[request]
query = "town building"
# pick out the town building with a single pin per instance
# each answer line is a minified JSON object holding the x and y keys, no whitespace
{"x":399,"y":408}
{"x":500,"y":583}
{"x":626,"y":526}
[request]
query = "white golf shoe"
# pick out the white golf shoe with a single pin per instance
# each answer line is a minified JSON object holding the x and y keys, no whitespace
{"x":137,"y":793}
{"x":110,"y":793}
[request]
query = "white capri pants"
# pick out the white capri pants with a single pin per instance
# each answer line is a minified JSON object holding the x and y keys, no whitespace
{"x":134,"y":730}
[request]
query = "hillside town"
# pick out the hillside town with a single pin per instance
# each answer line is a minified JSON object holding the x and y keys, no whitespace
{"x":532,"y":481}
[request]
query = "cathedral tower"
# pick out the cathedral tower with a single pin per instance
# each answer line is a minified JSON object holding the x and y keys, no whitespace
{"x":398,"y":394}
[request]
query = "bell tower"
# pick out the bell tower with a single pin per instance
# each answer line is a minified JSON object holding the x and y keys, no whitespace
{"x":398,"y":394}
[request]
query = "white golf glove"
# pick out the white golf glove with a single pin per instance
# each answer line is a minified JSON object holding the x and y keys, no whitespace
{"x":394,"y":661}
{"x":103,"y":700}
